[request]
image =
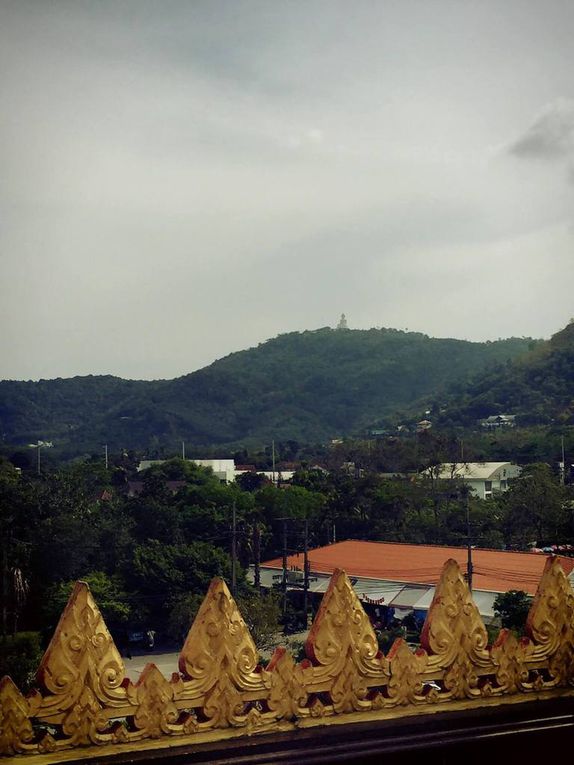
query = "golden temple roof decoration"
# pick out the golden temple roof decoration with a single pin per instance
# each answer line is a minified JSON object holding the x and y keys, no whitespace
{"x":84,"y":699}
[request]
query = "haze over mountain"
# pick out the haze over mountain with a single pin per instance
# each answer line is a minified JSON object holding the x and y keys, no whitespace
{"x":308,"y":386}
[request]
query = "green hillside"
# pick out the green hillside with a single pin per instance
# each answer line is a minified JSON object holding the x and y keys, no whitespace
{"x":537,"y":387}
{"x":307,"y":386}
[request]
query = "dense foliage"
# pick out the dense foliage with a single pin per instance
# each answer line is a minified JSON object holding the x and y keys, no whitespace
{"x":307,"y":386}
{"x":538,"y":388}
{"x":149,"y":558}
{"x":512,"y":608}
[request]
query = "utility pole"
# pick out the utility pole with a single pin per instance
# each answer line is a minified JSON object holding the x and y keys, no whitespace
{"x":273,"y":459}
{"x":4,"y":589}
{"x":468,"y":545}
{"x":257,"y":557}
{"x":233,"y":551}
{"x":305,"y":569}
{"x":106,"y":455}
{"x":284,"y":566}
{"x":562,"y":464}
{"x":183,"y":450}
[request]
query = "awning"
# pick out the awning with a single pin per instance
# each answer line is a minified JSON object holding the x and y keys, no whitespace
{"x":382,"y":594}
{"x":320,"y":585}
{"x":409,"y":595}
{"x":483,"y":601}
{"x":423,"y":603}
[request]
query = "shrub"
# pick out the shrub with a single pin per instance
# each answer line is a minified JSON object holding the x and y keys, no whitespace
{"x":20,"y":656}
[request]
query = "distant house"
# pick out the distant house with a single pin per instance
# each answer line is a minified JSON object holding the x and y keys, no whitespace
{"x":484,"y":478}
{"x":290,"y":467}
{"x":497,"y":421}
{"x":279,"y":476}
{"x":351,"y":468}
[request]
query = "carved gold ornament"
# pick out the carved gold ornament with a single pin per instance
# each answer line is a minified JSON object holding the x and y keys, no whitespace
{"x":84,"y":699}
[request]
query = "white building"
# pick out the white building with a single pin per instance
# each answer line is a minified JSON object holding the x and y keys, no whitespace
{"x":223,"y":469}
{"x":484,"y":478}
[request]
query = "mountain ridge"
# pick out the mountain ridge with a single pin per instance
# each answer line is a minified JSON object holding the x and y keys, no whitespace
{"x":537,"y":387}
{"x":308,"y":386}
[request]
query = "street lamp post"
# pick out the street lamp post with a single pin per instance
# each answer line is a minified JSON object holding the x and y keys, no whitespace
{"x":38,"y":446}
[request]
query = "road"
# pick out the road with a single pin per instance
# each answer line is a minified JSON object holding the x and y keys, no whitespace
{"x":165,"y":662}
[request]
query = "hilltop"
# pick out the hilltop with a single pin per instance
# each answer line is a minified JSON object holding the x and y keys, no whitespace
{"x":307,"y":386}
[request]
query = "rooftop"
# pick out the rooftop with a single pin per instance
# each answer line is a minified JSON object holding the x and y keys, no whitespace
{"x":493,"y":570}
{"x":475,"y":470}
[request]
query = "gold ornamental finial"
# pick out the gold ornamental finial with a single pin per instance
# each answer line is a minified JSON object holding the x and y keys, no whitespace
{"x":85,"y":700}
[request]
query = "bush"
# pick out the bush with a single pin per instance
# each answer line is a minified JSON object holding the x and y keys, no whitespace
{"x":386,"y":638}
{"x":20,"y":656}
{"x":261,"y":614}
{"x":512,"y":609}
{"x":183,"y":610}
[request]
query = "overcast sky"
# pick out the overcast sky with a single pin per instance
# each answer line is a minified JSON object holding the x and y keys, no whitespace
{"x":182,"y":179}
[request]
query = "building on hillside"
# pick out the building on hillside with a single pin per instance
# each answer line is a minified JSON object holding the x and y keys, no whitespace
{"x":483,"y":478}
{"x":498,"y":421}
{"x":402,"y":577}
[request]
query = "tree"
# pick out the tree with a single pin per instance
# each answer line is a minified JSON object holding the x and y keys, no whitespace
{"x":261,"y":614}
{"x":512,"y":609}
{"x":251,"y":481}
{"x":182,"y":612}
{"x":534,"y":509}
{"x":106,"y":590}
{"x":160,"y":573}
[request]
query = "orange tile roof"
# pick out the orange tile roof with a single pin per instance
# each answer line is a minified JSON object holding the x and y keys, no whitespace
{"x":493,"y":570}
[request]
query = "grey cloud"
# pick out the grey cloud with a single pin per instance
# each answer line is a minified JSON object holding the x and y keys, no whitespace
{"x":181,"y":180}
{"x":551,"y":136}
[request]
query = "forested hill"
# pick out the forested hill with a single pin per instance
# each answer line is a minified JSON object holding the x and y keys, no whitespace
{"x":537,"y":387}
{"x":306,"y":386}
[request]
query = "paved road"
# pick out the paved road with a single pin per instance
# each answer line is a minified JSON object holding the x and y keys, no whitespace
{"x":165,"y":662}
